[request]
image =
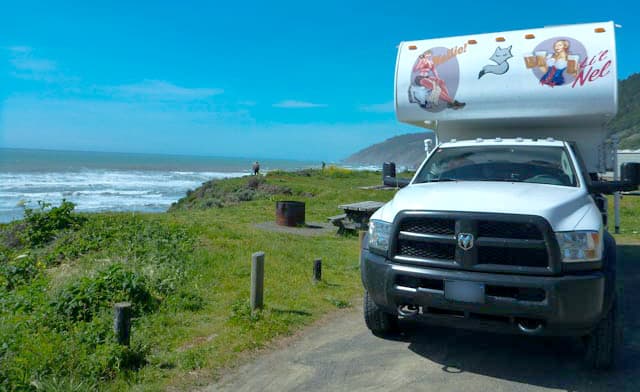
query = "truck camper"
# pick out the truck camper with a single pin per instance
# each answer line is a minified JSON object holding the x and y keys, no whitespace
{"x":504,"y":225}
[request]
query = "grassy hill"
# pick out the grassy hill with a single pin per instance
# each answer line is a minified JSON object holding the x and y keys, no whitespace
{"x":408,"y":150}
{"x":187,"y":273}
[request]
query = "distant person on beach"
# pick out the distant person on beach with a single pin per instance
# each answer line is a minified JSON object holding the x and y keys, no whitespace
{"x":256,"y":168}
{"x":323,"y":165}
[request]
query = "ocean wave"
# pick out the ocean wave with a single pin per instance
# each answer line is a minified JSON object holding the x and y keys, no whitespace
{"x":100,"y":190}
{"x":107,"y":178}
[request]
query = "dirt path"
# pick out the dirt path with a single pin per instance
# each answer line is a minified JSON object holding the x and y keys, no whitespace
{"x":343,"y":356}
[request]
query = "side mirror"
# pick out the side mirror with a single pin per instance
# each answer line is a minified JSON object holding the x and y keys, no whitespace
{"x":396,"y":182}
{"x":630,"y":173}
{"x":630,"y":180}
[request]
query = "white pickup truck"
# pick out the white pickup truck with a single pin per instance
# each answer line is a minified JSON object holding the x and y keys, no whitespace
{"x":504,"y":225}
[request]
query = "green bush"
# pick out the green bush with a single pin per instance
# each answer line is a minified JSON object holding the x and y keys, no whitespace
{"x":82,"y":299}
{"x":337,"y":172}
{"x":45,"y":222}
{"x":19,"y":271}
{"x":223,"y":193}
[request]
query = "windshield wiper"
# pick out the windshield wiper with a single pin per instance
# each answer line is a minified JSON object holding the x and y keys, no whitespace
{"x":443,"y":180}
{"x":502,"y":179}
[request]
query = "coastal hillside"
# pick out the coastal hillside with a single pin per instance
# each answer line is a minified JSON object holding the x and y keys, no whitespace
{"x":408,"y":150}
{"x":185,"y":272}
{"x":405,"y":150}
{"x":627,"y":123}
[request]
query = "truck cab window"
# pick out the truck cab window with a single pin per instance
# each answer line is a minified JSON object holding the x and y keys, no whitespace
{"x":533,"y":164}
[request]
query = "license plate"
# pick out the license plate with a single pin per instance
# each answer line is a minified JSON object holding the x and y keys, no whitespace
{"x":458,"y":290}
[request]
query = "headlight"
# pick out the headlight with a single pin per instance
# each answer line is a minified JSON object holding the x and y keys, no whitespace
{"x":379,"y":233}
{"x":576,"y":246}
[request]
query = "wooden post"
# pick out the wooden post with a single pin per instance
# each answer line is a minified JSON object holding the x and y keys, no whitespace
{"x":317,"y":270}
{"x":122,"y":322}
{"x":257,"y":280}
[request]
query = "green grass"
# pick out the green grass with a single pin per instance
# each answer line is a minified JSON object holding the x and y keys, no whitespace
{"x":629,"y":220}
{"x":187,"y":273}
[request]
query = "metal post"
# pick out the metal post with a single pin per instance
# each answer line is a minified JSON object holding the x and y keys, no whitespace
{"x":257,"y":280}
{"x":122,"y":322}
{"x":616,"y":177}
{"x":317,"y":270}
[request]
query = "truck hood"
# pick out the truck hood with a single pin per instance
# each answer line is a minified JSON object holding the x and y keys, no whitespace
{"x":563,"y":207}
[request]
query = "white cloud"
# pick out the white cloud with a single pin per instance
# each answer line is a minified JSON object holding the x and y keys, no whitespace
{"x":386,"y":107}
{"x":19,"y":49}
{"x":160,"y":89}
{"x":33,"y":65}
{"x":26,"y":65}
{"x":292,"y":104}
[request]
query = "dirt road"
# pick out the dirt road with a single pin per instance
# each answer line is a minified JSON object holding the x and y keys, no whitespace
{"x":343,"y":356}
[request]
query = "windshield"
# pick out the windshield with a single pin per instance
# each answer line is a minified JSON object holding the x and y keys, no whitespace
{"x":541,"y":165}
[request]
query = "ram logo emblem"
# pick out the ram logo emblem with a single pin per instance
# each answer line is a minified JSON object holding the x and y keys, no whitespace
{"x":465,"y":241}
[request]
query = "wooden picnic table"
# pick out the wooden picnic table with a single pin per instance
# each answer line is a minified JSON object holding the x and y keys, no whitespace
{"x":356,"y":216}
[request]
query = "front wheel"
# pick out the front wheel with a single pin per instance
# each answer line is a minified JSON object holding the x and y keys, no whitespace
{"x":603,"y":343}
{"x":377,"y":320}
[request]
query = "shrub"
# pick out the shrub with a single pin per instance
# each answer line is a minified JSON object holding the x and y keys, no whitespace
{"x":19,"y":271}
{"x":222,"y":193}
{"x":337,"y":172}
{"x":255,"y":182}
{"x":82,"y":299}
{"x":46,"y":221}
{"x":11,"y":235}
{"x":138,"y":241}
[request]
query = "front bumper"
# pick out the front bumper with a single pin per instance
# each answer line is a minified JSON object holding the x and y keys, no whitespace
{"x":568,"y":305}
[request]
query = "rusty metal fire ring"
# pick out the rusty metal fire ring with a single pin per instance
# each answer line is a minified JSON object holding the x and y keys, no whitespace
{"x":290,"y":213}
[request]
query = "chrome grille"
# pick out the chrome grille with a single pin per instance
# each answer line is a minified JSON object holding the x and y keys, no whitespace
{"x":497,"y":229}
{"x":521,"y":257}
{"x":513,"y":243}
{"x":427,"y":251}
{"x":429,"y":226}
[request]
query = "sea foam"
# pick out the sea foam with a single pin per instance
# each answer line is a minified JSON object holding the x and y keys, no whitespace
{"x":99,"y":190}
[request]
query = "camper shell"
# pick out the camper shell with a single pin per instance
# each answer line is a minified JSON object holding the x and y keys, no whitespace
{"x":506,"y":95}
{"x":503,"y":226}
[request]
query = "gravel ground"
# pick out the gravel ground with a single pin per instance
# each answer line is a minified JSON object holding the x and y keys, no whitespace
{"x":341,"y":355}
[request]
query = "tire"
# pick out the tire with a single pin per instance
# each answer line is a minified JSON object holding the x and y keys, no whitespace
{"x":603,"y":344}
{"x":378,"y":321}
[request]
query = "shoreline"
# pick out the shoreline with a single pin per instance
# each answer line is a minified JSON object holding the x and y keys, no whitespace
{"x":110,"y":190}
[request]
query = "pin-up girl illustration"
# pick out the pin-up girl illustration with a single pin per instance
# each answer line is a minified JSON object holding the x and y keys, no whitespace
{"x":429,"y":79}
{"x":555,"y":64}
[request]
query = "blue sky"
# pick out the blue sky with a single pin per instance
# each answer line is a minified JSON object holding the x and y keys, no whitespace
{"x":298,"y":79}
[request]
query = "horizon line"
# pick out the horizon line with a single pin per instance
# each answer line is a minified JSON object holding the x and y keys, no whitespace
{"x":157,"y":153}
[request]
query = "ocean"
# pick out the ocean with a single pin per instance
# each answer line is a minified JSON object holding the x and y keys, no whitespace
{"x":99,"y":181}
